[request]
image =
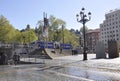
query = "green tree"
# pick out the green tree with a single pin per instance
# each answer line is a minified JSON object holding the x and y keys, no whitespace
{"x":7,"y":32}
{"x":70,"y":38}
{"x":39,"y":29}
{"x":28,"y":35}
{"x":54,"y":24}
{"x":3,"y":20}
{"x":57,"y":32}
{"x":18,"y":37}
{"x":40,"y":25}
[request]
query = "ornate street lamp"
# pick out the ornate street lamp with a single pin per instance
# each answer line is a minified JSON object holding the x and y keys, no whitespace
{"x":83,"y":20}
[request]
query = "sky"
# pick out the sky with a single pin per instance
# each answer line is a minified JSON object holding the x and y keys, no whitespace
{"x":23,"y":12}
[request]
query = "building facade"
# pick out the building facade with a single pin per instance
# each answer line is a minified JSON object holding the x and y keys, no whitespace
{"x":92,"y":37}
{"x":110,"y":28}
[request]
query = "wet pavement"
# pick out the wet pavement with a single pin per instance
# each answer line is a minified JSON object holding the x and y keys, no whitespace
{"x":61,"y":70}
{"x":35,"y":72}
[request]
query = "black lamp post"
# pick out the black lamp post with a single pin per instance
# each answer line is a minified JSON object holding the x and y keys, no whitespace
{"x":83,"y":20}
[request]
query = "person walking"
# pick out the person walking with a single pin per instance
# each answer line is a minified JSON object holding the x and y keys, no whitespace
{"x":15,"y":58}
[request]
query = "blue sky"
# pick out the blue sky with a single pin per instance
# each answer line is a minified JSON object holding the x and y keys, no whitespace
{"x":23,"y":12}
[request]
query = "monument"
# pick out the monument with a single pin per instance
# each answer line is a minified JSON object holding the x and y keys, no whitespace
{"x":100,"y":50}
{"x":113,"y":51}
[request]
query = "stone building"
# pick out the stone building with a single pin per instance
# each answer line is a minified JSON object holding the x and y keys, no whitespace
{"x":92,"y":37}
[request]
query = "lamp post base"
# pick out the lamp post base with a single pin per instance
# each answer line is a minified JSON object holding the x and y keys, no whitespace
{"x":85,"y":56}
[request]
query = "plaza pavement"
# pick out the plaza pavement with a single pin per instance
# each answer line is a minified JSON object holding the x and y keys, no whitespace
{"x":67,"y":68}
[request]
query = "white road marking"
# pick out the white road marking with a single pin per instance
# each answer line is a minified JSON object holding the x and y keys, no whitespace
{"x":69,"y":76}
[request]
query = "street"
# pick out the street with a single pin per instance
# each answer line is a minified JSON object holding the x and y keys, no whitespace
{"x":62,"y":70}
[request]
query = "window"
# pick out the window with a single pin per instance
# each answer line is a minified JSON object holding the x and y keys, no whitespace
{"x":113,"y":23}
{"x":106,"y":17}
{"x":109,"y":19}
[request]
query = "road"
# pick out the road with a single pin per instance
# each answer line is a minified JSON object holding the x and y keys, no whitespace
{"x":60,"y":70}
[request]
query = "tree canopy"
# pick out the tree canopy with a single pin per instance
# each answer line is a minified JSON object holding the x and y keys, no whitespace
{"x":8,"y":34}
{"x":56,"y":31}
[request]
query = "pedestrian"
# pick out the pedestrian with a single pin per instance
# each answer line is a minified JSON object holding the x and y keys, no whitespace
{"x":72,"y":51}
{"x":55,"y":46}
{"x":18,"y":59}
{"x":2,"y":58}
{"x":60,"y":49}
{"x":15,"y":59}
{"x":6,"y":58}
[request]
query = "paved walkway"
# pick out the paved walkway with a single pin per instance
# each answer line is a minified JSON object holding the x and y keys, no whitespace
{"x":68,"y":68}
